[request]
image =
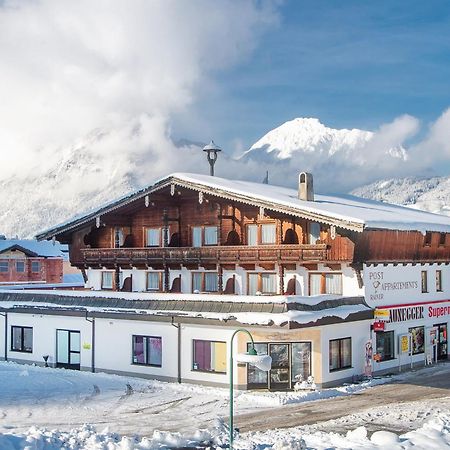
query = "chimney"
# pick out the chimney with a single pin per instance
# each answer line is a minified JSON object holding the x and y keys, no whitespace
{"x":305,"y":187}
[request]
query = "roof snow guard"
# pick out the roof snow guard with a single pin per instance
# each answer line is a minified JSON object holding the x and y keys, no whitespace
{"x":344,"y":211}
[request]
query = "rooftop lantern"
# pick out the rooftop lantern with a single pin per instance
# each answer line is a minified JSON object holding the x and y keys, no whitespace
{"x":212,"y":149}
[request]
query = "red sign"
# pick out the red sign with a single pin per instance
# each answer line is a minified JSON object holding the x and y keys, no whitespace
{"x":378,"y":326}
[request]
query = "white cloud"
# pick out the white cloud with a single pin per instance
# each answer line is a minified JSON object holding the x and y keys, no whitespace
{"x":69,"y":68}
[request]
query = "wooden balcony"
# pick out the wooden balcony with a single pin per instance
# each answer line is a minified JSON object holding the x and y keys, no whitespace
{"x":158,"y":256}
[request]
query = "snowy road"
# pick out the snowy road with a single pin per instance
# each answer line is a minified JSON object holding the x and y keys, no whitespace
{"x":422,"y":392}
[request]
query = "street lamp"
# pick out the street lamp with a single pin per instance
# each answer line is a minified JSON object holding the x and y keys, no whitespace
{"x":212,"y":149}
{"x":262,"y":362}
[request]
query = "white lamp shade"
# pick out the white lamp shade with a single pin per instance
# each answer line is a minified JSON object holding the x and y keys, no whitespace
{"x":262,"y":362}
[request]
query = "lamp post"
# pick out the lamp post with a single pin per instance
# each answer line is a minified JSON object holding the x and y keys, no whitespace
{"x":262,"y":362}
{"x":212,"y":149}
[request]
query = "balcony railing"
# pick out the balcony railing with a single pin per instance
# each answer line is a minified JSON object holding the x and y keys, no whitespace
{"x":295,"y":253}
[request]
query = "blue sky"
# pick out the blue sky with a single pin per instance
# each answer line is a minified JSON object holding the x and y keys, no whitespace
{"x":353,"y":64}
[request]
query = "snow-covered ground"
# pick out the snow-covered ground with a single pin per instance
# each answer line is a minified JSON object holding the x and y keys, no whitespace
{"x":43,"y":408}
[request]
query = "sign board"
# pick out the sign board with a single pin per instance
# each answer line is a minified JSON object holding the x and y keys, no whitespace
{"x":404,"y":343}
{"x":378,"y":326}
{"x":382,"y":314}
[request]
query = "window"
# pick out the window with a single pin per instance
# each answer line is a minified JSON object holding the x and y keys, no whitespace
{"x":265,"y":233}
{"x":340,"y":353}
{"x":154,"y":281}
{"x":266,"y":283}
{"x":204,"y":236}
{"x":268,"y":233}
{"x":209,"y":356}
{"x":20,"y":266}
{"x":417,"y":339}
{"x":442,"y":237}
{"x":118,"y":237}
{"x":35,"y":266}
{"x":325,"y":283}
{"x":4,"y":266}
{"x":424,"y":278}
{"x":427,"y":238}
{"x":314,"y":232}
{"x":385,"y":345}
{"x":210,"y":235}
{"x":153,"y":237}
{"x":22,"y":339}
{"x":107,"y":280}
{"x":252,"y":235}
{"x":439,"y":280}
{"x":205,"y":281}
{"x":147,"y":350}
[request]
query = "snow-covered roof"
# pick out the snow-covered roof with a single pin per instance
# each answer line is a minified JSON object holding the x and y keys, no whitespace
{"x":294,"y":311}
{"x":343,"y":211}
{"x":31,"y":247}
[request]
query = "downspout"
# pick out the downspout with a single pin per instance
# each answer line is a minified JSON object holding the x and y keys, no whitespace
{"x":5,"y":315}
{"x":178,"y":327}
{"x":92,"y":321}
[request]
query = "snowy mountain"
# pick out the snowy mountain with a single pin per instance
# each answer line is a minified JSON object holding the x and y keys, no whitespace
{"x":429,"y":194}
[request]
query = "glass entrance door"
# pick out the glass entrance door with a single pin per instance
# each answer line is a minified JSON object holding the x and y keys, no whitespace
{"x":442,"y":341}
{"x":68,"y":349}
{"x":279,"y":375}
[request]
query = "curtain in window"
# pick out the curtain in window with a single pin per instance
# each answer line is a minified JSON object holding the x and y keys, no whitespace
{"x":202,"y":355}
{"x":153,"y":237}
{"x":196,"y":237}
{"x":252,"y":283}
{"x":315,"y":283}
{"x":107,"y":280}
{"x":210,"y":235}
{"x":269,"y":283}
{"x":301,"y":360}
{"x":314,"y":232}
{"x":334,"y":355}
{"x":346,"y":352}
{"x":333,"y":283}
{"x":211,"y":282}
{"x":153,"y":281}
{"x":268,"y":233}
{"x":16,"y":339}
{"x":138,"y":350}
{"x":252,"y":234}
{"x":28,"y":339}
{"x":196,"y":281}
{"x":154,"y":346}
{"x":118,"y":237}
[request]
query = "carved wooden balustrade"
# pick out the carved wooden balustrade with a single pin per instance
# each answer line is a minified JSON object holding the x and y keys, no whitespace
{"x":240,"y":254}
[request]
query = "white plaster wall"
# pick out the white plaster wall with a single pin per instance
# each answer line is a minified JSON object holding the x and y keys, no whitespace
{"x":376,"y":278}
{"x":2,"y":337}
{"x":113,"y":346}
{"x":360,"y":333}
{"x":44,"y":336}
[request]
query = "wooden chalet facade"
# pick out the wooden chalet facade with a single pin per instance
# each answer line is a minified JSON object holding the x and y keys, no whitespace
{"x":178,"y":266}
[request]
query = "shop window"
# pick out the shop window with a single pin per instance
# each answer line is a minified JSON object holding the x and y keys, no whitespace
{"x":107,"y":280}
{"x":204,"y":236}
{"x":147,"y":350}
{"x":205,"y":281}
{"x":385,"y":345}
{"x":442,"y":237}
{"x":439,"y":280}
{"x":22,"y":339}
{"x":300,"y":360}
{"x":20,"y":266}
{"x":209,"y":356}
{"x":154,"y":281}
{"x":265,"y":233}
{"x":256,"y":376}
{"x":4,"y":266}
{"x":265,"y":283}
{"x":424,"y":281}
{"x":427,"y":238}
{"x":417,"y":339}
{"x":340,"y":353}
{"x":35,"y":266}
{"x":325,"y":283}
{"x":314,"y":232}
